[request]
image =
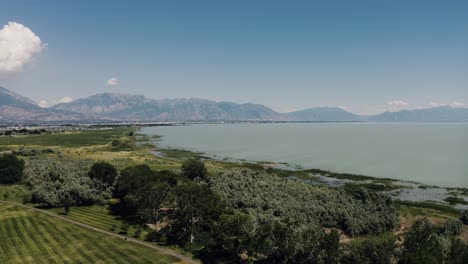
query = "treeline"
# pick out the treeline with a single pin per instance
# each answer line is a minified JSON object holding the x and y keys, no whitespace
{"x":24,"y":131}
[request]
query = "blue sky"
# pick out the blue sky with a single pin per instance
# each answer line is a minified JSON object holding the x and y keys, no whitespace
{"x":367,"y":56}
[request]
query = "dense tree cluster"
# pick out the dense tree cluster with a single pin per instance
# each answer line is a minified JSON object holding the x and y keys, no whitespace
{"x":142,"y":192}
{"x":11,"y":169}
{"x":193,"y":169}
{"x":427,"y":244}
{"x":247,"y":216}
{"x":266,"y":196}
{"x":58,"y":181}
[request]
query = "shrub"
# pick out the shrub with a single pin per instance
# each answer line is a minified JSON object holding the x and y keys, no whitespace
{"x":193,"y":168}
{"x":452,"y":227}
{"x":464,"y":217}
{"x":104,"y":173}
{"x":268,"y":196}
{"x":11,"y":169}
{"x":53,"y":180}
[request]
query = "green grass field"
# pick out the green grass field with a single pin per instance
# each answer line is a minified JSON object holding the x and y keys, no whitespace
{"x":69,"y":139}
{"x":101,"y":217}
{"x":32,"y":237}
{"x":13,"y":193}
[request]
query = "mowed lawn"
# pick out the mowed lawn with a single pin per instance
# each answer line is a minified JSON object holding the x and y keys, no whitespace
{"x":101,"y":217}
{"x":27,"y":236}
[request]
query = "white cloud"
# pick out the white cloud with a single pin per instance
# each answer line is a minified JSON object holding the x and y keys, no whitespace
{"x":18,"y":45}
{"x":397,"y":103}
{"x":43,"y":103}
{"x":454,"y":104}
{"x":343,"y":107}
{"x":65,"y":99}
{"x":434,"y":104}
{"x":112,"y":81}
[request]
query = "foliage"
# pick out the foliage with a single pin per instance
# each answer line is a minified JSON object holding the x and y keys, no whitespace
{"x":379,"y":249}
{"x":197,"y":207}
{"x":122,"y":144}
{"x":426,"y":243}
{"x":238,"y":239}
{"x":193,"y":169}
{"x":143,"y":192}
{"x":11,"y":169}
{"x":104,"y":174}
{"x":452,"y":227}
{"x":53,"y":180}
{"x":454,"y":200}
{"x":133,"y":178}
{"x":464,"y":217}
{"x":266,"y":196}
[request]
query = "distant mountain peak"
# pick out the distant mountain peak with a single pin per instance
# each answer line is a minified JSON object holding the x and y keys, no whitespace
{"x":131,"y":107}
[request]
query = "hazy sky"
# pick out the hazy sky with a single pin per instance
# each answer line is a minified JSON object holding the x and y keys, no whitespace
{"x":367,"y":56}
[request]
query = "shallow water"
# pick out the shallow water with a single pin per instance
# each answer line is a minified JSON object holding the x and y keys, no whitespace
{"x":430,"y":153}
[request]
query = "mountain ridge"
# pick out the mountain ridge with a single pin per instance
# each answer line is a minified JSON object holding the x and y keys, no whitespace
{"x":15,"y":108}
{"x":135,"y":107}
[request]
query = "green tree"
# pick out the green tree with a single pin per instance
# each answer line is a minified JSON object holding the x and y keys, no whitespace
{"x":452,"y":227}
{"x":193,"y":168}
{"x":422,"y":245}
{"x":196,"y":209}
{"x":67,"y":202}
{"x":150,"y":198}
{"x":11,"y":169}
{"x":464,"y":217}
{"x":379,"y":249}
{"x":104,"y":173}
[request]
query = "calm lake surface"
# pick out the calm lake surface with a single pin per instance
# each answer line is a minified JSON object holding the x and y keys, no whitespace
{"x":430,"y":153}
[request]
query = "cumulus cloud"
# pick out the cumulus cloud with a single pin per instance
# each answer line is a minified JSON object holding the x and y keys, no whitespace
{"x":112,"y":81}
{"x":435,"y":104}
{"x":65,"y":99}
{"x":43,"y":103}
{"x":397,"y":103}
{"x":457,"y":104}
{"x":454,"y":104}
{"x":18,"y":46}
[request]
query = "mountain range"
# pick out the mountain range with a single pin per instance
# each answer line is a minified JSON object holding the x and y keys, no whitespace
{"x":15,"y":108}
{"x":126,"y":107}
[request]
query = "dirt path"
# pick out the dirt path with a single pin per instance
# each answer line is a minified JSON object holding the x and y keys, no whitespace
{"x":166,"y":251}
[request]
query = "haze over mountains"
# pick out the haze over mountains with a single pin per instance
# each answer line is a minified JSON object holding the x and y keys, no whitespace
{"x":16,"y":108}
{"x":126,"y":107}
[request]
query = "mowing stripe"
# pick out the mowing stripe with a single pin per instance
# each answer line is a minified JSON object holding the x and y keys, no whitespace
{"x":76,"y":242}
{"x":134,"y":241}
{"x":23,"y":226}
{"x":52,"y":245}
{"x":6,"y":250}
{"x":15,"y":242}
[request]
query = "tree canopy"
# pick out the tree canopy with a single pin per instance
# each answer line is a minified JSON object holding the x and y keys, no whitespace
{"x":194,"y":168}
{"x":11,"y":169}
{"x":103,"y":173}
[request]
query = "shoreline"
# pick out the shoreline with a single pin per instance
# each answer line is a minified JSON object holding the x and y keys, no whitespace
{"x":399,"y":190}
